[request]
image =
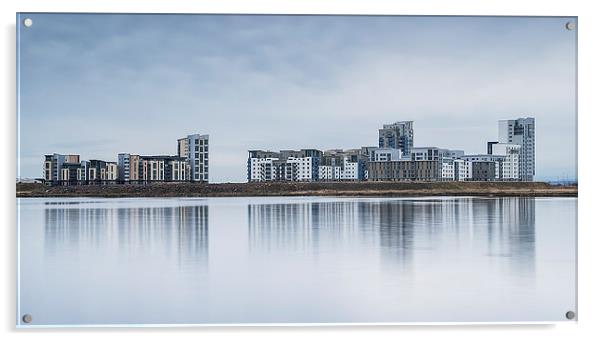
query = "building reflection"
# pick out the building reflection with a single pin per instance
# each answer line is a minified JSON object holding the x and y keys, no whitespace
{"x":181,"y":232}
{"x":510,"y":230}
{"x":301,"y":226}
{"x":401,"y":229}
{"x":396,"y":231}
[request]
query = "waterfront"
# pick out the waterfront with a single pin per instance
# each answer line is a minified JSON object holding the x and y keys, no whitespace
{"x":302,"y":259}
{"x":340,"y":188}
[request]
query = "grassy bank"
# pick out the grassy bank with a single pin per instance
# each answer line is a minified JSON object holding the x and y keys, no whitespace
{"x":381,"y":189}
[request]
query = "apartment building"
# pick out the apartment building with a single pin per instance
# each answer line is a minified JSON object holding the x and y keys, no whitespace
{"x":510,"y":165}
{"x":520,"y":131}
{"x":286,"y":165}
{"x":262,"y":165}
{"x":68,"y":173}
{"x":383,"y":154}
{"x":428,"y":153}
{"x":152,"y":168}
{"x":510,"y":158}
{"x":336,"y":164}
{"x":82,"y":172}
{"x":481,"y":161}
{"x":404,"y":170}
{"x":447,"y":169}
{"x":484,"y":170}
{"x":103,"y":172}
{"x":195,"y":148}
{"x":398,"y":135}
{"x":462,"y":170}
{"x":53,"y":168}
{"x":129,"y":167}
{"x":164,"y":168}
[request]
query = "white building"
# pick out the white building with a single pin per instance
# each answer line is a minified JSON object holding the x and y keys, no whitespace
{"x":262,"y":169}
{"x":336,"y":164}
{"x":428,"y":153}
{"x":326,"y":172}
{"x":447,"y":169}
{"x":286,"y":165}
{"x":520,"y":131}
{"x":497,"y":159}
{"x":384,"y":154}
{"x":351,"y":170}
{"x":510,"y":166}
{"x":452,"y":153}
{"x":462,"y":170}
{"x":301,"y":168}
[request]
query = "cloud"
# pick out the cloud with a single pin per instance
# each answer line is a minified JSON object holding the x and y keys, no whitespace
{"x":138,"y":83}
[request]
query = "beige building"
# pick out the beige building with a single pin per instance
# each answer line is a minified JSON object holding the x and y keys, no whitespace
{"x":60,"y":167}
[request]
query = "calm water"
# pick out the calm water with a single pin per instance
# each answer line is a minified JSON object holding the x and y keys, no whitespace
{"x":286,"y":260}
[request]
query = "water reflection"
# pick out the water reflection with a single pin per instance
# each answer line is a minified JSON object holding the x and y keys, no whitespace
{"x":511,"y":230}
{"x":297,"y":260}
{"x":502,"y":227}
{"x":181,"y":231}
{"x":303,"y":226}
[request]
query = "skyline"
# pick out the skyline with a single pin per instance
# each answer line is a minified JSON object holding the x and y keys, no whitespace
{"x":98,"y":85}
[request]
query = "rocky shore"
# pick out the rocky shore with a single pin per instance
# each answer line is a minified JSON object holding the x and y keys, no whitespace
{"x":363,"y":189}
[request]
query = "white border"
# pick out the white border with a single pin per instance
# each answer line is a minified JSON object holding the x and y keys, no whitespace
{"x":590,"y":252}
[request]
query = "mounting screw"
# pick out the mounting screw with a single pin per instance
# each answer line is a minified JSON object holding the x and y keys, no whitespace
{"x":27,"y":22}
{"x":570,"y":314}
{"x":27,"y":318}
{"x":570,"y":25}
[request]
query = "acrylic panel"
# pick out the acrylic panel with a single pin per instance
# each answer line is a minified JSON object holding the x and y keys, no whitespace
{"x":195,"y":169}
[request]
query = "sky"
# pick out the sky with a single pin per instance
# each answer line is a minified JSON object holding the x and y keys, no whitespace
{"x":101,"y":84}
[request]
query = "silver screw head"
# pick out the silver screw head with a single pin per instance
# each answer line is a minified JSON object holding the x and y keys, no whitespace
{"x":27,"y":22}
{"x":570,"y":314}
{"x":27,"y":318}
{"x":570,"y":25}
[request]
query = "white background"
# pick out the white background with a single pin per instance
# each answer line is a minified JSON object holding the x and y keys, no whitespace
{"x":590,"y":93}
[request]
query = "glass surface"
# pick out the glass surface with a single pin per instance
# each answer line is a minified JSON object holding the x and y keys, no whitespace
{"x":112,"y":104}
{"x":296,"y":260}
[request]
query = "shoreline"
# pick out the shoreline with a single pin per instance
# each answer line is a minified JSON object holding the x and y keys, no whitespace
{"x":325,"y":189}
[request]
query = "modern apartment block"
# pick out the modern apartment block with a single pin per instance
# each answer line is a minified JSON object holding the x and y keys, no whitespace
{"x":398,"y":135}
{"x":512,"y":158}
{"x":484,"y":171}
{"x":68,"y":170}
{"x":286,"y":165}
{"x":383,"y":154}
{"x":74,"y":172}
{"x":154,"y":168}
{"x":510,"y":165}
{"x":191,"y":164}
{"x":404,"y":170}
{"x":479,"y":161}
{"x":462,"y":170}
{"x":129,"y":167}
{"x":101,"y":171}
{"x":163,"y":168}
{"x":336,"y":164}
{"x":520,"y":131}
{"x":195,"y":148}
{"x":58,"y":168}
{"x":68,"y":173}
{"x":396,"y":159}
